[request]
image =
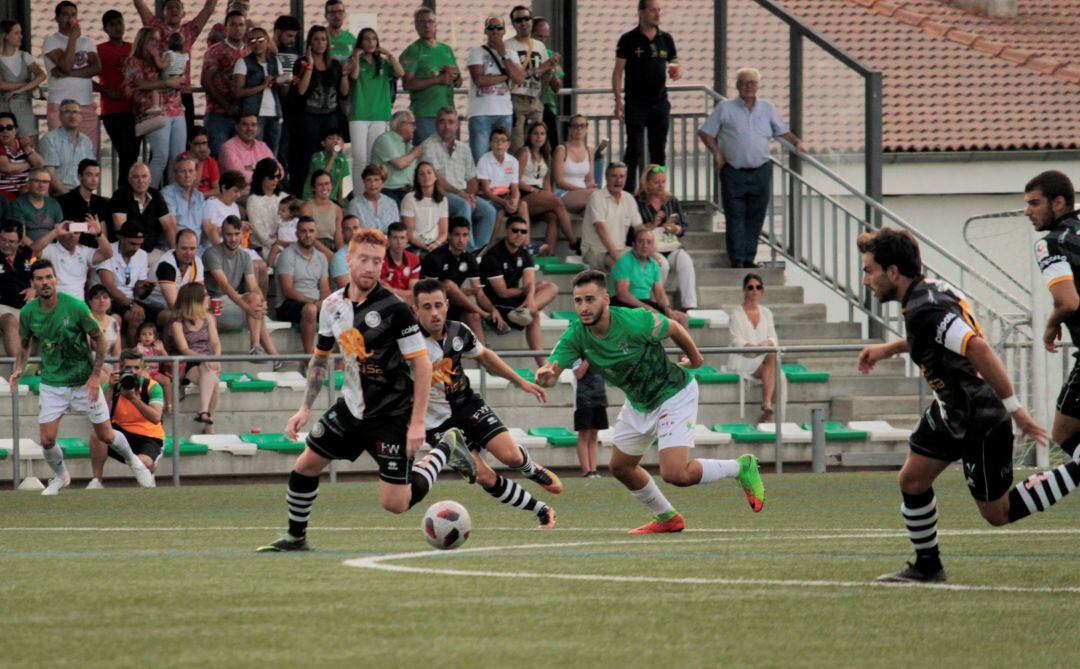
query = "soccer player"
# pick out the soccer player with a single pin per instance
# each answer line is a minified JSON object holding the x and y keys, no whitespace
{"x":71,"y":372}
{"x":382,"y":406}
{"x":624,"y":346}
{"x":969,"y":418}
{"x":453,"y":404}
{"x":1050,"y":200}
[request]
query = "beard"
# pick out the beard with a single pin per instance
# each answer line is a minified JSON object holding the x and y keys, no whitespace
{"x":598,"y":315}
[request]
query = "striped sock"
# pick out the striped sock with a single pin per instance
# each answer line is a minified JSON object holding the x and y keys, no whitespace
{"x":527,"y":466}
{"x":299,"y":498}
{"x":1041,"y":491}
{"x":55,"y":457}
{"x":426,"y":471}
{"x":920,"y":517}
{"x":509,"y":492}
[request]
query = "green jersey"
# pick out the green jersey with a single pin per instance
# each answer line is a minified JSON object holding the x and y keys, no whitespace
{"x":341,"y":47}
{"x":629,"y":356}
{"x":371,"y":93}
{"x":426,"y":61}
{"x":65,"y":350}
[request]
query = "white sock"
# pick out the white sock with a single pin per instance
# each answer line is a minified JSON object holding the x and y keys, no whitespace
{"x":714,"y":470}
{"x":651,"y":497}
{"x":55,"y":457}
{"x":120,"y":445}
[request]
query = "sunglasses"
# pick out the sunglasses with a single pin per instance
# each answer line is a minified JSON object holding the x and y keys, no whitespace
{"x":658,"y":169}
{"x":494,"y":28}
{"x":5,"y":128}
{"x":519,"y":231}
{"x":754,"y":287}
{"x":256,"y":40}
{"x":523,"y":19}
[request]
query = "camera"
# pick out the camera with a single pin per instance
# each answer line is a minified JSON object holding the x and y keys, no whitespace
{"x":129,"y":380}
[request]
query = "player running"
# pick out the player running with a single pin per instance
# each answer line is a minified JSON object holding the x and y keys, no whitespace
{"x":969,"y":418}
{"x":624,"y":345}
{"x":1050,"y":200}
{"x":381,"y":408}
{"x":454,"y":406}
{"x":71,"y":372}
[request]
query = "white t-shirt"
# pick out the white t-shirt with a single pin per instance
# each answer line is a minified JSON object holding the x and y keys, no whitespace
{"x":266,"y":108}
{"x":425,"y":214}
{"x":217,"y":211}
{"x":126,"y":274}
{"x":71,"y":269}
{"x":167,"y":270}
{"x":79,"y":89}
{"x":178,"y":61}
{"x":501,"y":175}
{"x":490,"y":100}
{"x":530,"y":57}
{"x":286,"y":231}
{"x":12,"y":62}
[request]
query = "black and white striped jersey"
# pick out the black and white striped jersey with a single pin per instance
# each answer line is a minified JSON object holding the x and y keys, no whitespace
{"x":1058,"y":255}
{"x":449,"y":384}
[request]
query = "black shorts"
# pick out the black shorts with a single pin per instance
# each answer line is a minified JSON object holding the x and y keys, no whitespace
{"x":476,"y":420}
{"x":504,"y":311}
{"x":590,"y":418}
{"x":1068,"y":401}
{"x":290,"y":311}
{"x":140,"y":445}
{"x":987,"y":452}
{"x":341,"y":436}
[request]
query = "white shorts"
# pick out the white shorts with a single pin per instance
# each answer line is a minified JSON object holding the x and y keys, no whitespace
{"x":57,"y":401}
{"x":672,"y":423}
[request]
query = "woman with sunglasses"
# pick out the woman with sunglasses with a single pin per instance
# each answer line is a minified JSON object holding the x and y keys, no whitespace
{"x":752,"y":326}
{"x":262,"y":205}
{"x":493,"y":69}
{"x":16,"y":160}
{"x":572,"y":167}
{"x":662,"y":211}
{"x":20,"y":74}
{"x":259,"y":86}
{"x":374,"y":75}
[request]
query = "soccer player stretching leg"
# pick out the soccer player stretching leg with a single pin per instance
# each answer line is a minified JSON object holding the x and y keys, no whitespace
{"x":381,"y":408}
{"x":969,"y":418}
{"x":624,"y":346}
{"x":71,"y":376}
{"x":454,"y":407}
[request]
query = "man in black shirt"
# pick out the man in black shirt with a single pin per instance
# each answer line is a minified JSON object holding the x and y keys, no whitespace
{"x":15,"y":290}
{"x":644,"y":54}
{"x":453,"y":266}
{"x":78,"y":203}
{"x":453,"y":404}
{"x":1051,"y":202}
{"x":509,"y":276}
{"x":382,"y":406}
{"x":144,"y":205}
{"x":969,"y":419}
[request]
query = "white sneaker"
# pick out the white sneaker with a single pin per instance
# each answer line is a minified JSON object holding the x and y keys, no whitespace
{"x":143,"y":475}
{"x":56,"y":484}
{"x":95,"y":484}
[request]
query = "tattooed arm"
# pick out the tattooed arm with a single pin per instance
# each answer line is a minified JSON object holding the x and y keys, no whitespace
{"x":317,"y":370}
{"x":20,"y":362}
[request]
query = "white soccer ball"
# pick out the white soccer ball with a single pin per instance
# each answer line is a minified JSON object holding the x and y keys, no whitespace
{"x":446,"y":524}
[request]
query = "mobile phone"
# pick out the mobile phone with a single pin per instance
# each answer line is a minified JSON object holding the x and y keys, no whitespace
{"x":674,"y":218}
{"x":78,"y":227}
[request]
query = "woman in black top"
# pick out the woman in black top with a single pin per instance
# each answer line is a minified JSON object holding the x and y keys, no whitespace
{"x":320,"y":80}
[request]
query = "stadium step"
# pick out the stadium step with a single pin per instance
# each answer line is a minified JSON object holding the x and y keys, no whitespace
{"x":847,"y":408}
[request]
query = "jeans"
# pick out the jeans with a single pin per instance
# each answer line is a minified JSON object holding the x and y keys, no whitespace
{"x":165,"y":144}
{"x":480,"y":128}
{"x":219,"y":129}
{"x":640,"y":118}
{"x":745,"y":194}
{"x":363,"y":134}
{"x":121,"y":129}
{"x":425,"y":127}
{"x":483,"y":218}
{"x":270,"y":132}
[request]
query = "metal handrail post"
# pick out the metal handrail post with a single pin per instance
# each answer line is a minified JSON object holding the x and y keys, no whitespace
{"x":15,"y":473}
{"x":778,"y":412}
{"x":178,"y":371}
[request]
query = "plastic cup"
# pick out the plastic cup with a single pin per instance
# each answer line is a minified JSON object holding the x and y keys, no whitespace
{"x":673,"y":70}
{"x":216,"y":305}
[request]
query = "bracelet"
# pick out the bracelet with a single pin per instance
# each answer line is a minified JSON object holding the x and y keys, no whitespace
{"x":1011,"y":404}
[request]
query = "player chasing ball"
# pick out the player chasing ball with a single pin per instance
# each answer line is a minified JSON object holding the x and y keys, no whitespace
{"x":625,"y":347}
{"x":381,"y":409}
{"x":972,"y":413}
{"x":457,"y":413}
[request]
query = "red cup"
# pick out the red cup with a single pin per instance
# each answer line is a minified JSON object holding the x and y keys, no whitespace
{"x":216,"y":305}
{"x":256,"y":430}
{"x":673,"y":70}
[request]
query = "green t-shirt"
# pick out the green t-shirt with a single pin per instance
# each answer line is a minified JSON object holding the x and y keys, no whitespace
{"x":426,"y":61}
{"x":371,"y":93}
{"x":628,"y":268}
{"x":38,"y":222}
{"x":547,"y":93}
{"x":65,"y":350}
{"x":341,"y":47}
{"x":629,"y":356}
{"x":338,"y":169}
{"x":389,"y":146}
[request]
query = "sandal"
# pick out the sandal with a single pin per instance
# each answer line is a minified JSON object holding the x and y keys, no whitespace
{"x":204,"y":417}
{"x":766,"y":415}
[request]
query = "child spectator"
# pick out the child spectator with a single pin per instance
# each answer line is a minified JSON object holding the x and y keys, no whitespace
{"x":175,"y":59}
{"x":194,"y":332}
{"x":100,"y":304}
{"x":285,"y":234}
{"x":151,"y":346}
{"x":590,"y":415}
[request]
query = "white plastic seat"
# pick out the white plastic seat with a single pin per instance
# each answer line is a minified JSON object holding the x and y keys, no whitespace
{"x":791,"y":432}
{"x":277,"y":325}
{"x":706,"y":437}
{"x":290,"y":380}
{"x":227,"y":443}
{"x":606,"y":437}
{"x":493,"y":381}
{"x":718,"y":318}
{"x":549,"y":323}
{"x":880,"y":430}
{"x":527,"y":440}
{"x":28,"y":448}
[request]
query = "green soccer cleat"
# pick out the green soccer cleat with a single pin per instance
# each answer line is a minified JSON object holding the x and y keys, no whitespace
{"x":459,"y":458}
{"x":286,"y":544}
{"x":749,"y":479}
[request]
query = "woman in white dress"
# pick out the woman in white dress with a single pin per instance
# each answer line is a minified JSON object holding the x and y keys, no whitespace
{"x":752,"y":326}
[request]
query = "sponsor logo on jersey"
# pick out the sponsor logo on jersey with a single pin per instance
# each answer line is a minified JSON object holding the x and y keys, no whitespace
{"x":373,"y":319}
{"x":318,"y":430}
{"x":519,"y":262}
{"x":463,"y":266}
{"x":943,"y":327}
{"x":1041,"y":249}
{"x":415,"y":327}
{"x":457,"y":344}
{"x":382,"y":448}
{"x":352,"y":343}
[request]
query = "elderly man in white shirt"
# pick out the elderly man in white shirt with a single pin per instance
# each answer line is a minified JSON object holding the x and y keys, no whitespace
{"x":609,"y":215}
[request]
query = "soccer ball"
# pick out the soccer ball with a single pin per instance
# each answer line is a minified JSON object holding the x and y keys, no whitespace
{"x":446,"y":525}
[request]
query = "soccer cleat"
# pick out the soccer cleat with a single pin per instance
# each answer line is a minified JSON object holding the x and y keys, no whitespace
{"x":547,"y":479}
{"x":459,"y":458}
{"x":95,"y":484}
{"x":912,"y":574}
{"x":286,"y":544}
{"x":56,"y":484}
{"x":673,"y":524}
{"x":547,"y":518}
{"x":749,"y":479}
{"x":143,"y":475}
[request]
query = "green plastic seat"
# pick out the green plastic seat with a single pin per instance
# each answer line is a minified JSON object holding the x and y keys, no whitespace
{"x":544,"y":261}
{"x":837,"y":431}
{"x":742,"y":433}
{"x":708,"y":375}
{"x":527,"y":374}
{"x":3,"y":454}
{"x":31,"y":382}
{"x":253,"y":386}
{"x":698,"y":323}
{"x":186,"y":448}
{"x":339,"y":379}
{"x":800,"y":374}
{"x":562,"y":268}
{"x":273,"y":441}
{"x":556,"y":436}
{"x":235,"y":376}
{"x":74,"y":447}
{"x":564,"y":315}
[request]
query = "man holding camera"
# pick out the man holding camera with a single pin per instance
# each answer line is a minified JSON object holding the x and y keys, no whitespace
{"x":136,"y":403}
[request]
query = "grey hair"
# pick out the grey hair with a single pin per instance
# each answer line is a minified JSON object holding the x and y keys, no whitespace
{"x":446,"y":111}
{"x":400,"y":117}
{"x":748,"y":70}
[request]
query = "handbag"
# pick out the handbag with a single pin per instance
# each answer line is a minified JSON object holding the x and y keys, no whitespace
{"x":149,"y":123}
{"x":666,"y":242}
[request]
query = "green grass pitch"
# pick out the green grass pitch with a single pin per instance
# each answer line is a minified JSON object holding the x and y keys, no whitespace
{"x":159,"y":578}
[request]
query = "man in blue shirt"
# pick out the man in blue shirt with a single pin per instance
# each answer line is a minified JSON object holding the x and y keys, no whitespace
{"x":185,"y":201}
{"x":744,"y":126}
